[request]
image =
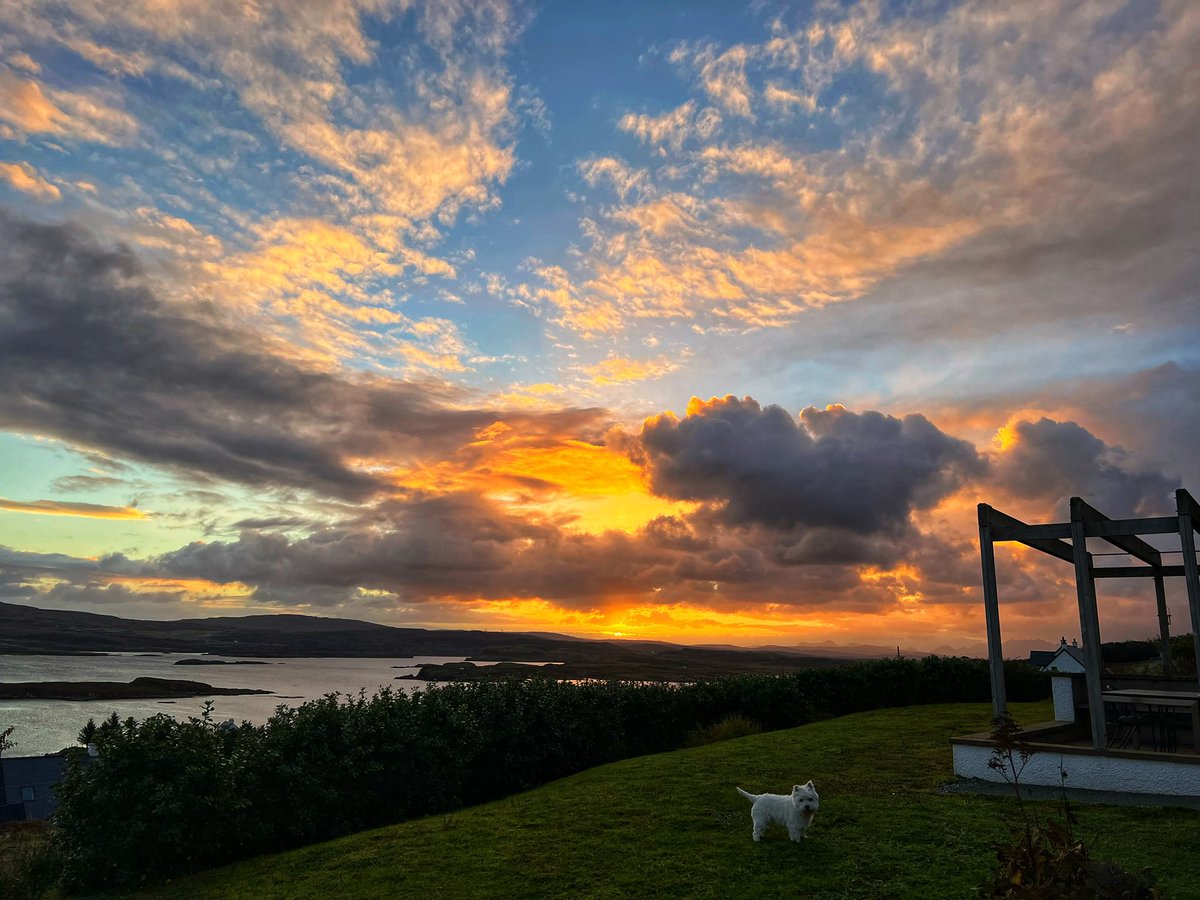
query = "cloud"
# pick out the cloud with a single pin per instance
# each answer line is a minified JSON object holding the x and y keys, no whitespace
{"x":24,"y":177}
{"x":620,"y":370}
{"x":69,"y":508}
{"x":31,"y":108}
{"x":1049,"y":461}
{"x":435,"y":144}
{"x":946,"y":150}
{"x":722,"y":75}
{"x":674,"y":127}
{"x":91,"y":353}
{"x":833,"y":468}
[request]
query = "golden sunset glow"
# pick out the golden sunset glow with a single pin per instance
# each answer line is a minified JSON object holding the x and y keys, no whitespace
{"x":592,"y":487}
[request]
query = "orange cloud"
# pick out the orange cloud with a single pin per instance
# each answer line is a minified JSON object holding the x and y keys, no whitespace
{"x":31,"y":110}
{"x":621,"y":370}
{"x":25,"y":177}
{"x":66,"y":508}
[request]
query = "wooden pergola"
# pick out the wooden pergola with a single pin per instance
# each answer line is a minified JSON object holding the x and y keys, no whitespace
{"x":1068,"y":541}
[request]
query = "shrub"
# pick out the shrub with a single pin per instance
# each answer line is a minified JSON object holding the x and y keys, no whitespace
{"x":166,"y":797}
{"x":734,"y":726}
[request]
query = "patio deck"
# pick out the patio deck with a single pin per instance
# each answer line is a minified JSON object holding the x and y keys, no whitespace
{"x":1136,"y":757}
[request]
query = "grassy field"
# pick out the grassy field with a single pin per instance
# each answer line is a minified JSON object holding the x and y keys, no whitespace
{"x":672,"y":825}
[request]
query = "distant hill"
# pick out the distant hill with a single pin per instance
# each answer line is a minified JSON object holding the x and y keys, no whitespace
{"x":26,"y":629}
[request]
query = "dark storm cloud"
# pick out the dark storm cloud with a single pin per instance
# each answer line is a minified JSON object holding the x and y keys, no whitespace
{"x":833,"y":468}
{"x":90,"y":353}
{"x":1051,"y":461}
{"x":460,"y":547}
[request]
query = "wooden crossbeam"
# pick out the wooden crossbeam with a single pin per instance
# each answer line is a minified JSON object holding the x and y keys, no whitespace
{"x":1152,"y":525}
{"x":1006,"y":528}
{"x":1136,"y":571}
{"x":1186,"y":505}
{"x":1083,"y":512}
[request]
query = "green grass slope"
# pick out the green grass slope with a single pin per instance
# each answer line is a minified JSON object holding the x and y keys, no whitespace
{"x":672,"y":825}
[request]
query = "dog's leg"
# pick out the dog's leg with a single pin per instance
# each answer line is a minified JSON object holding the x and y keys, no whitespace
{"x":796,"y":831}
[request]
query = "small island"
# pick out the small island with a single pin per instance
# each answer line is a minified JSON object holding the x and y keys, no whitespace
{"x":221,"y":662}
{"x":468,"y":671}
{"x":143,"y":688}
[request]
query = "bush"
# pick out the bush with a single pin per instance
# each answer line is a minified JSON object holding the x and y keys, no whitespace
{"x":166,"y":797}
{"x":734,"y":726}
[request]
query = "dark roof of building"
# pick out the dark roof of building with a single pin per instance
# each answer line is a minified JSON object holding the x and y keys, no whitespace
{"x":38,"y":775}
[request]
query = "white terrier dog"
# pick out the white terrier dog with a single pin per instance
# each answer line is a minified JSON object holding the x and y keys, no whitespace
{"x":795,"y":810}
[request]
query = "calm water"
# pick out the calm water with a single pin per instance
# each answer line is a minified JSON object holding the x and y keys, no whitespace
{"x":45,"y":726}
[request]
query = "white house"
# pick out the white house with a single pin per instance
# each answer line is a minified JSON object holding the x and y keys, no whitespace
{"x":1066,"y":658}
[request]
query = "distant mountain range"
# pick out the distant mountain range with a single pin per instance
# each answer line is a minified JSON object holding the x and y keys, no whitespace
{"x":27,"y":629}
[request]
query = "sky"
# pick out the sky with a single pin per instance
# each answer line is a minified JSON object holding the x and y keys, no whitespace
{"x":709,"y":323}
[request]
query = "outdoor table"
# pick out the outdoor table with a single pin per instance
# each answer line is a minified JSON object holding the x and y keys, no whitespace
{"x":1158,"y":701}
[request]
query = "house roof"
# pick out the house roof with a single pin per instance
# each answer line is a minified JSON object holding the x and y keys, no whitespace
{"x":1076,"y":653}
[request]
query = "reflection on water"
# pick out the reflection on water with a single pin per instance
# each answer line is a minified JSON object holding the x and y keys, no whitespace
{"x":44,"y":726}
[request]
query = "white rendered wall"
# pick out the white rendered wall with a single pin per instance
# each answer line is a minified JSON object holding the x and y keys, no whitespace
{"x":1092,"y":773}
{"x":1064,"y":699}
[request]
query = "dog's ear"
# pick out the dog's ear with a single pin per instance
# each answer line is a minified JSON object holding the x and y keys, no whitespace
{"x":810,"y":784}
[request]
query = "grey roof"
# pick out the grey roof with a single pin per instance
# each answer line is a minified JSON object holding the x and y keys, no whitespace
{"x":1076,"y":653}
{"x":38,"y":774}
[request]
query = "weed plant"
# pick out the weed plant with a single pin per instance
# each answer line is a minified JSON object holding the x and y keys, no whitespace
{"x":1046,"y":859}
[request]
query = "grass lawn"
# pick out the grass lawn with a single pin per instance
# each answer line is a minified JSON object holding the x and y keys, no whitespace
{"x":672,"y":825}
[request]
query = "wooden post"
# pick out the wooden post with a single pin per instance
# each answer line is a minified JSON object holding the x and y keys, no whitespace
{"x":1089,"y":625}
{"x":1187,"y":539}
{"x":991,"y":612}
{"x":1164,"y":627}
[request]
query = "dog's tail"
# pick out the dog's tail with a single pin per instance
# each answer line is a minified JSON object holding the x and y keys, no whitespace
{"x":747,"y":795}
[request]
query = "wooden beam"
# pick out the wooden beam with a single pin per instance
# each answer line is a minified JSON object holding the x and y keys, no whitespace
{"x":1136,"y":571}
{"x":1083,"y":512}
{"x":1024,"y":533}
{"x":1164,"y":628}
{"x":991,"y":615}
{"x":1186,"y":505}
{"x":1153,"y":525}
{"x":1089,"y":627}
{"x":1187,"y":539}
{"x":1001,"y":523}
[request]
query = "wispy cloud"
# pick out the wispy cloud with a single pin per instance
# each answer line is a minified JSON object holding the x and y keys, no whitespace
{"x":25,"y":177}
{"x":71,"y":508}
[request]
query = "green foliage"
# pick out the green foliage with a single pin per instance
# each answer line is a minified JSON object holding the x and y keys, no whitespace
{"x":734,"y":726}
{"x":1183,"y":655}
{"x":166,"y":797}
{"x":1129,"y":651}
{"x":6,"y":741}
{"x":87,"y":734}
{"x":28,"y":867}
